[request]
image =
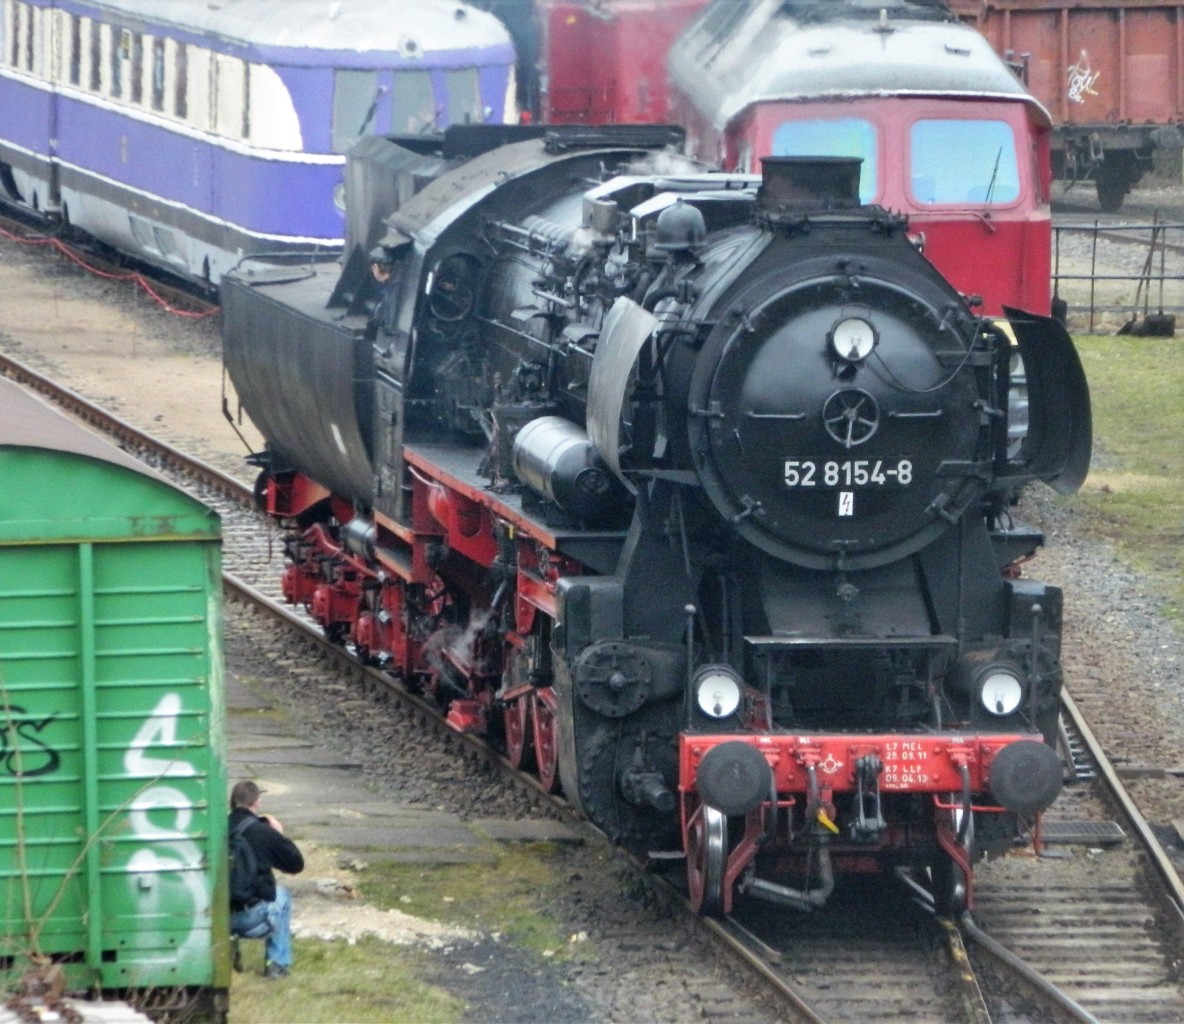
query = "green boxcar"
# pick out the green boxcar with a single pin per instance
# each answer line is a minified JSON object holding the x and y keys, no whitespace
{"x":112,"y":740}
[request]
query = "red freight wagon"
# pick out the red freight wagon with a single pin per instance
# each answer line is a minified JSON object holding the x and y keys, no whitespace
{"x":1110,"y":74}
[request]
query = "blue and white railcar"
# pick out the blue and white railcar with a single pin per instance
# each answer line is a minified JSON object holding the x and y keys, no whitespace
{"x":193,"y":132}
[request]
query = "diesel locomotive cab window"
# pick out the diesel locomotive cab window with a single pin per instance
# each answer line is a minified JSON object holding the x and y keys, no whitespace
{"x":963,"y":162}
{"x":414,"y":105}
{"x":464,"y":97}
{"x":842,"y":136}
{"x":356,"y":95}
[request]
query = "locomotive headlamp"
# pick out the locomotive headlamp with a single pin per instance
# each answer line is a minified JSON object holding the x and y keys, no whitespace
{"x":717,"y":690}
{"x":852,"y":339}
{"x":1000,"y":690}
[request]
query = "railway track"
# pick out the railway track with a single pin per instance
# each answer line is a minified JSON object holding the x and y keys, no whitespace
{"x":1101,"y":928}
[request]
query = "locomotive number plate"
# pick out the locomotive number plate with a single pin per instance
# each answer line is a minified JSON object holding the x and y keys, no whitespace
{"x":828,"y":473}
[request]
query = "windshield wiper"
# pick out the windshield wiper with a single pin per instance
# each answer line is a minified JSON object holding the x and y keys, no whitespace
{"x":994,"y":176}
{"x":378,"y":94}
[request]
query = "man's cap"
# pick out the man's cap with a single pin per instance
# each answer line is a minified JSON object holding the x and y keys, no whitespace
{"x":380,"y":254}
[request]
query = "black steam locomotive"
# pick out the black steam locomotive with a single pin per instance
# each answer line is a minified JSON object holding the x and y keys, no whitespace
{"x":693,"y":487}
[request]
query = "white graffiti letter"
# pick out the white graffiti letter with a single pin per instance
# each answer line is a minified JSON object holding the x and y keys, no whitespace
{"x":1081,"y":79}
{"x":160,"y":728}
{"x":166,"y":872}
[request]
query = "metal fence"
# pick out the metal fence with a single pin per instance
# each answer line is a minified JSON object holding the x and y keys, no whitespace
{"x":1119,"y":278}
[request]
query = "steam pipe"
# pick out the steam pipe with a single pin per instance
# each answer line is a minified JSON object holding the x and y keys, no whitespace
{"x":807,"y":900}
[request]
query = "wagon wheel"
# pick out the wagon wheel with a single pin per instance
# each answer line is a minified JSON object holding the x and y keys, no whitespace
{"x":518,"y":729}
{"x":1111,"y":192}
{"x":546,"y":739}
{"x":707,"y":856}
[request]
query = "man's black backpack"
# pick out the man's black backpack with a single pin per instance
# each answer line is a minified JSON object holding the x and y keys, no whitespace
{"x":243,"y":866}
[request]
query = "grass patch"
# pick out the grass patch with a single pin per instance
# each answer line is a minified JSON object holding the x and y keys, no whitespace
{"x":371,"y":982}
{"x":1134,"y":496}
{"x":374,"y":981}
{"x":508,"y":898}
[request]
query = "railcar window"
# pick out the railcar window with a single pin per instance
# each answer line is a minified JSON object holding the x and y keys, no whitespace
{"x":464,"y":97}
{"x":246,"y":121}
{"x":137,"y":68}
{"x":75,"y":50}
{"x":181,"y":82}
{"x":15,"y":37}
{"x":157,"y":74}
{"x":230,"y":90}
{"x":414,"y":108}
{"x":96,"y":56}
{"x":199,"y":98}
{"x":840,"y":136}
{"x":356,"y":99}
{"x":117,"y":55}
{"x":30,"y":22}
{"x":956,"y":161}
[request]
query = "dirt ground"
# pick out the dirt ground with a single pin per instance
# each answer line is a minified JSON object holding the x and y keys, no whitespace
{"x":113,"y":341}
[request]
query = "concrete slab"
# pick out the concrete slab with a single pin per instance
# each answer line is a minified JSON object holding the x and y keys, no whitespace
{"x":321,"y":798}
{"x":373,"y":808}
{"x":423,"y":855}
{"x":503,"y":830}
{"x":404,"y":836}
{"x":297,"y":755}
{"x":299,"y":787}
{"x":262,"y":724}
{"x":247,"y":741}
{"x":240,"y":699}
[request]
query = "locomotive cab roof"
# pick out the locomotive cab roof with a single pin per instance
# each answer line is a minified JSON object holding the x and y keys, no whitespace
{"x":784,"y":57}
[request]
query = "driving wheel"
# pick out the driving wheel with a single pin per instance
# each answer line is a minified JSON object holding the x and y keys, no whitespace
{"x":707,"y":856}
{"x":517,"y":725}
{"x":546,"y":740}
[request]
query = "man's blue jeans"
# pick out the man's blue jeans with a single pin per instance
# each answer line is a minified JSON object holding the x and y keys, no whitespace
{"x":273,"y":920}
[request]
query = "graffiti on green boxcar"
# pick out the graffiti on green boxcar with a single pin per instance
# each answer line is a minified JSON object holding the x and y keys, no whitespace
{"x":166,"y":871}
{"x":24,"y":752}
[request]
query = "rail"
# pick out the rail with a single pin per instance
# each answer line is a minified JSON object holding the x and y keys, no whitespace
{"x":1128,"y":278}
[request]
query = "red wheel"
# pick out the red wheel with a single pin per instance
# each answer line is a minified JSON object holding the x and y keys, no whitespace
{"x":517,"y":724}
{"x":546,"y":738}
{"x":707,"y":856}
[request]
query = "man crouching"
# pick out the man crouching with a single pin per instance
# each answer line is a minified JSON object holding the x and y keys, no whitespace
{"x":259,"y":908}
